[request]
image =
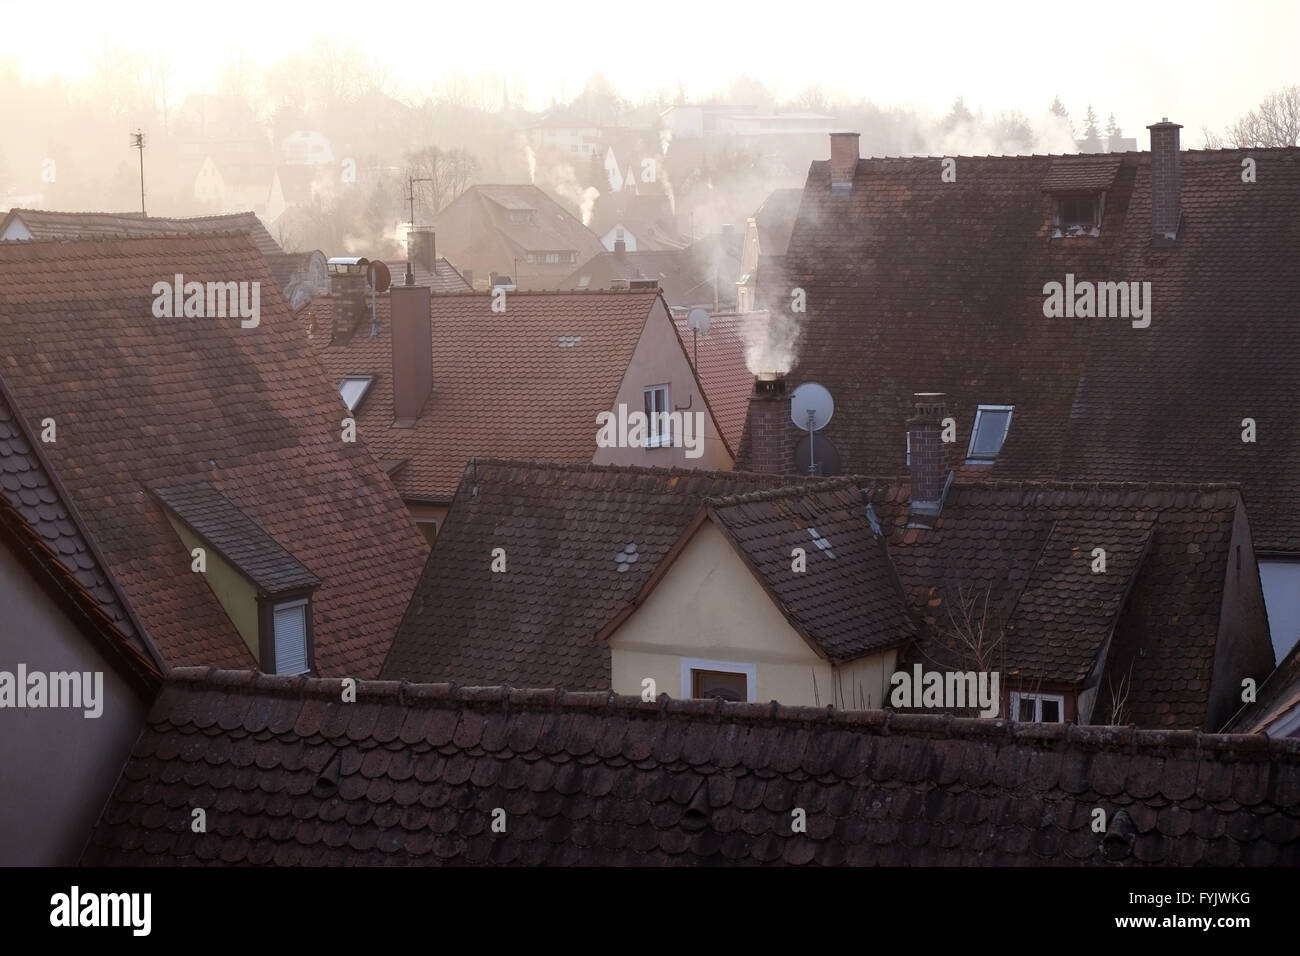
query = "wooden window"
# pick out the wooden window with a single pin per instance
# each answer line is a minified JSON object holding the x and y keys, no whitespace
{"x":725,"y":684}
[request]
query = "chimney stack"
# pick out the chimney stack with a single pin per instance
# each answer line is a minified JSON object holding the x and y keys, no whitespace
{"x":771,"y":433}
{"x":424,"y":250}
{"x":1166,"y":213}
{"x":348,"y":296}
{"x":844,"y":161}
{"x":929,"y":459}
{"x":412,"y":352}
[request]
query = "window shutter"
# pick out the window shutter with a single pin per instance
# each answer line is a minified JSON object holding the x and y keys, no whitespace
{"x":291,"y":638}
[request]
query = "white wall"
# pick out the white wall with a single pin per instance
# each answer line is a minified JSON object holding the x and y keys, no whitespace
{"x":1281,"y":582}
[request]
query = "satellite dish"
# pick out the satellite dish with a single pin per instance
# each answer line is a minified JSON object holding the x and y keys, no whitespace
{"x":378,"y":276}
{"x":820,"y":458}
{"x":697,"y":320}
{"x":811,"y":407}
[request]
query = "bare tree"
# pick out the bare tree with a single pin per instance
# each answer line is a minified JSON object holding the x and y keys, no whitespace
{"x":1275,"y":122}
{"x":448,"y":173}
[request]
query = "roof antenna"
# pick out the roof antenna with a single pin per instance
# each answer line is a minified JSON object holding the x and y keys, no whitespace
{"x":137,"y":142}
{"x":410,"y":197}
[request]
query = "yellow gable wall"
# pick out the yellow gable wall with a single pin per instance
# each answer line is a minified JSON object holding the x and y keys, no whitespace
{"x":236,"y":593}
{"x":659,"y":360}
{"x":710,"y":606}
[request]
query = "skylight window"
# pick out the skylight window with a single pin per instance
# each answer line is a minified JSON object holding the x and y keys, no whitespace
{"x":354,"y":389}
{"x":821,"y":542}
{"x":992,"y":422}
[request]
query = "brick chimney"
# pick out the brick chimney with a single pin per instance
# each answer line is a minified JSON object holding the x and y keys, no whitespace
{"x":350,"y":304}
{"x":844,"y":161}
{"x":424,"y":249}
{"x":929,"y":457}
{"x":412,"y":352}
{"x":1166,"y":212}
{"x":771,"y":433}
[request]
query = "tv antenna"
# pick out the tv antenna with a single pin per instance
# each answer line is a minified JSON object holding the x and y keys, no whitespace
{"x":697,"y":320}
{"x":410,"y":197}
{"x":137,"y":142}
{"x":811,"y":408}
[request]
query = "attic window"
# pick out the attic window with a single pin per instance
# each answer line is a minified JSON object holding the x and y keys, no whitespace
{"x":992,"y":422}
{"x":1078,"y":215}
{"x":1038,"y":708}
{"x":291,"y":621}
{"x":820,"y":541}
{"x":354,"y":389}
{"x":657,"y":411}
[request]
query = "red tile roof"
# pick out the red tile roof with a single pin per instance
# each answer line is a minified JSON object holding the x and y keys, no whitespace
{"x":141,"y":402}
{"x":411,"y":775}
{"x":914,"y":285}
{"x":525,"y":382}
{"x":444,"y":278}
{"x":39,"y":523}
{"x":721,"y":369}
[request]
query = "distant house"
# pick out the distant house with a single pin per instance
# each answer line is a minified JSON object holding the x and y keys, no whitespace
{"x":531,"y":380}
{"x":913,"y":284}
{"x":766,"y":234}
{"x":411,"y":775}
{"x":427,"y":267}
{"x":306,"y":148}
{"x":226,"y":182}
{"x":695,"y":275}
{"x":298,"y":275}
{"x":559,"y":130}
{"x":517,"y":231}
{"x":696,"y":121}
{"x":65,"y":616}
{"x":643,"y":222}
{"x":207,"y":457}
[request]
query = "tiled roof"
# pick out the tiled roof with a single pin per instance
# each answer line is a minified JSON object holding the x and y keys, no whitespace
{"x":848,"y":601}
{"x":685,"y":280}
{"x":649,"y":216}
{"x":415,"y":775}
{"x":915,"y":285}
{"x":721,"y":369}
{"x":561,"y":527}
{"x":37,"y":519}
{"x":525,"y":382}
{"x":238,"y":538}
{"x":775,"y":220}
{"x":1026,"y":550}
{"x":1074,"y":174}
{"x":444,"y":279}
{"x":552,"y":228}
{"x":142,"y":402}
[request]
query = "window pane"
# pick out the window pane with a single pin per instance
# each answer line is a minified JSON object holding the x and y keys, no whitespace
{"x":1025,"y":711}
{"x":724,"y":684}
{"x":989,"y":432}
{"x":290,"y":639}
{"x":1051,"y":711}
{"x":352,"y":391}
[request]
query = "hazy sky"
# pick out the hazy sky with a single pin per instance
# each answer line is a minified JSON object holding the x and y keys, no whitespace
{"x":1196,"y":62}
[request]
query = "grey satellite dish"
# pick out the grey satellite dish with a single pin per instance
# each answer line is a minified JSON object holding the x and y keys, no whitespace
{"x":697,"y":320}
{"x":378,"y":276}
{"x":811,"y":407}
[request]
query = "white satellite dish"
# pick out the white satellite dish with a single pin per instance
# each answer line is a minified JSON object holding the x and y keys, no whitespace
{"x":697,"y":320}
{"x":811,"y":407}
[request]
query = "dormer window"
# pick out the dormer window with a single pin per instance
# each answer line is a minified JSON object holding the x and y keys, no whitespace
{"x":1078,"y":215}
{"x":354,"y":389}
{"x":992,"y":422}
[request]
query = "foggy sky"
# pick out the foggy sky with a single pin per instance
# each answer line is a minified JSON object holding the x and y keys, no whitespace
{"x":1196,"y":62}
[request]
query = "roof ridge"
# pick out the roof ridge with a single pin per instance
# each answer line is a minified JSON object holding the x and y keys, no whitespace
{"x":802,"y":486}
{"x":1065,"y":484}
{"x":885,"y":722}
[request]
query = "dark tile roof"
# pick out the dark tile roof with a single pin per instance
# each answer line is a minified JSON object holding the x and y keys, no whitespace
{"x":444,"y":278}
{"x":848,"y":601}
{"x":38,"y":521}
{"x":549,"y":364}
{"x":237,"y":537}
{"x":1025,"y":549}
{"x":144,"y":402}
{"x":1274,"y":698}
{"x":775,"y":220}
{"x":684,"y":279}
{"x":561,"y":527}
{"x":1073,"y":174}
{"x":721,"y":369}
{"x":412,"y":775}
{"x":484,"y":211}
{"x":918,"y":285}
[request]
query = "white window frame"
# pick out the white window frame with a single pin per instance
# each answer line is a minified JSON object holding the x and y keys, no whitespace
{"x":1017,"y":697}
{"x":653,"y":438}
{"x":369,"y":380}
{"x":305,"y":604}
{"x":975,"y":430}
{"x":690,"y":664}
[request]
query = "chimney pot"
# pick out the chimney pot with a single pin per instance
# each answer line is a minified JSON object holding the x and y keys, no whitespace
{"x":348,"y":294}
{"x":1166,"y":175}
{"x":844,"y":161}
{"x":424,"y":250}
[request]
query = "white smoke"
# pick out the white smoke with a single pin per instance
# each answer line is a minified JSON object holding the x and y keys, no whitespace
{"x":565,"y":185}
{"x":771,"y":342}
{"x":531,"y":156}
